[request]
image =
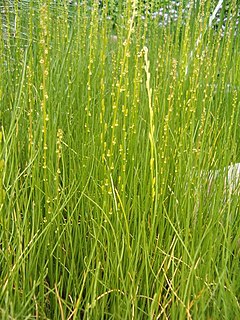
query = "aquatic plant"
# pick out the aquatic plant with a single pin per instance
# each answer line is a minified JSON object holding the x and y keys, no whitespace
{"x":104,"y":138}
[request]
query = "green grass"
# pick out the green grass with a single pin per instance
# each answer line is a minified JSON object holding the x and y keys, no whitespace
{"x":104,"y":209}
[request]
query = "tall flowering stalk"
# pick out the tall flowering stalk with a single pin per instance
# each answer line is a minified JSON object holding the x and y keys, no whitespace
{"x":153,"y":157}
{"x":44,"y":45}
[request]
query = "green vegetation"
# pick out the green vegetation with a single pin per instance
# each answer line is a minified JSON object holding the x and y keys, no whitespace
{"x":107,"y":129}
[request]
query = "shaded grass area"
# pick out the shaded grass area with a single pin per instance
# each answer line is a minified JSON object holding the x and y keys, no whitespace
{"x":104,"y":213}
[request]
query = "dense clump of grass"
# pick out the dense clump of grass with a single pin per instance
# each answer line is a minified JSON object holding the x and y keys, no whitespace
{"x":108,"y":127}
